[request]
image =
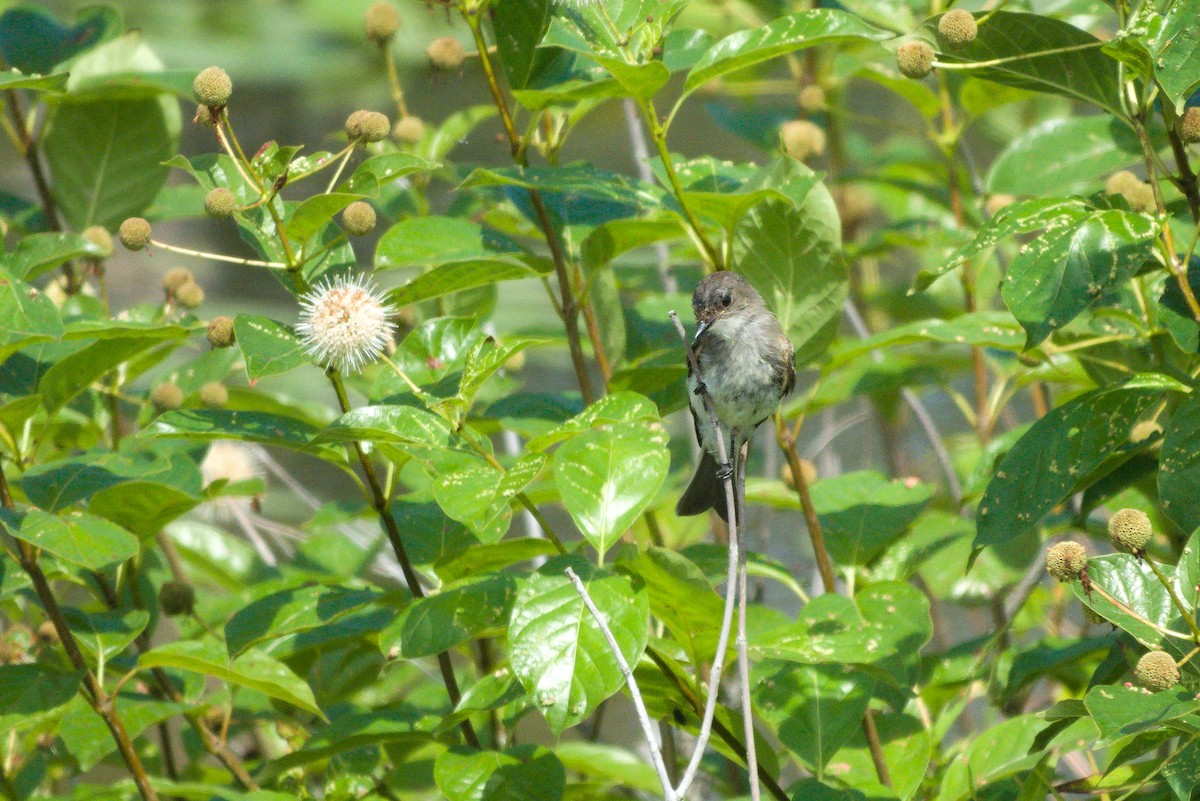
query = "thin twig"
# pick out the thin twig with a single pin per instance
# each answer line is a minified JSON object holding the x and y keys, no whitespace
{"x":200,"y":254}
{"x":638,"y":704}
{"x":743,"y":653}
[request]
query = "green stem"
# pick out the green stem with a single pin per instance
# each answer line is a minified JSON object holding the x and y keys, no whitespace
{"x":1175,"y":599}
{"x":659,"y":134}
{"x":392,"y":529}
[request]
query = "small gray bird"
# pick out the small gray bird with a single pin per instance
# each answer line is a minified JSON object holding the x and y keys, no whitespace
{"x":747,"y":365}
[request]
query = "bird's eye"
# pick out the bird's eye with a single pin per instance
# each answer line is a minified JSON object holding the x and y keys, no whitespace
{"x":726,"y":299}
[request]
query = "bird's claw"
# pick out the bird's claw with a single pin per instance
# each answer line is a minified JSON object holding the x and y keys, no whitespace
{"x":700,"y":389}
{"x":725,"y":471}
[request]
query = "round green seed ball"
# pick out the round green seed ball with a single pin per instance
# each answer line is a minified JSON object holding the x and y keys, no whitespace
{"x":212,"y":87}
{"x":177,"y":598}
{"x":914,"y":59}
{"x":219,"y":202}
{"x":1157,"y":671}
{"x":358,"y":218}
{"x":134,"y":233}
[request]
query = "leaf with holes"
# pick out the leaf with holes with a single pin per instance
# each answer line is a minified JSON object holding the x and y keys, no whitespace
{"x":1179,"y":466}
{"x":1057,"y":456}
{"x":1068,"y":267}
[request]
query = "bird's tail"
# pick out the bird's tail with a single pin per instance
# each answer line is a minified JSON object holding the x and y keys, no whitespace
{"x":705,"y":492}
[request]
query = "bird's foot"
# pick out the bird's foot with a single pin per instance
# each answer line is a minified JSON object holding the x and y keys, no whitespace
{"x":700,"y":389}
{"x":725,"y":471}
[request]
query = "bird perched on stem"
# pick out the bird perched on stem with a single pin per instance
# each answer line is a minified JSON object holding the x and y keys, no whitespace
{"x":747,"y":366}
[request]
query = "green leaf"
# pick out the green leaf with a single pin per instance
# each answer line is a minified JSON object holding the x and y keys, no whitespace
{"x":640,"y":81}
{"x":481,"y":496}
{"x":81,"y":539}
{"x":815,"y":709}
{"x":1064,"y":155}
{"x":105,"y":633}
{"x":681,"y":597}
{"x":314,"y":213}
{"x":37,"y":253}
{"x":607,"y":477}
{"x":33,"y":688}
{"x":791,"y":251}
{"x":269,"y":348}
{"x":1002,"y":751}
{"x":477,"y":560}
{"x":73,"y":374}
{"x":209,"y":424}
{"x":1174,"y":50}
{"x":812,"y":790}
{"x":778,"y":37}
{"x":143,"y":507}
{"x":372,"y":175}
{"x":519,"y":26}
{"x":907,"y":750}
{"x":863,"y":513}
{"x":1179,"y":466}
{"x":1130,"y":597}
{"x":619,"y":407}
{"x":608,"y":241}
{"x":26,"y":317}
{"x":523,"y":773}
{"x":431,"y":240}
{"x":456,"y":614}
{"x":1183,"y":773}
{"x":1121,"y":711}
{"x":106,"y":156}
{"x":57,"y":485}
{"x":557,"y":650}
{"x":124,"y":329}
{"x":15,"y":79}
{"x":1066,"y":269}
{"x":1057,"y":456}
{"x":253,"y":670}
{"x":611,"y":764}
{"x":291,"y":611}
{"x":457,"y":276}
{"x":405,"y":426}
{"x":1082,"y":73}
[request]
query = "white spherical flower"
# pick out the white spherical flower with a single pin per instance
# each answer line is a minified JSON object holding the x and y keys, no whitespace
{"x":344,"y":323}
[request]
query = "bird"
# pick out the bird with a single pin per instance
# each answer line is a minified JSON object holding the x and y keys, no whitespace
{"x":746,"y":366}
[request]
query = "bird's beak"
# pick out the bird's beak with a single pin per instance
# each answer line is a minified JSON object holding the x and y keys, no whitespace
{"x":701,"y":325}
